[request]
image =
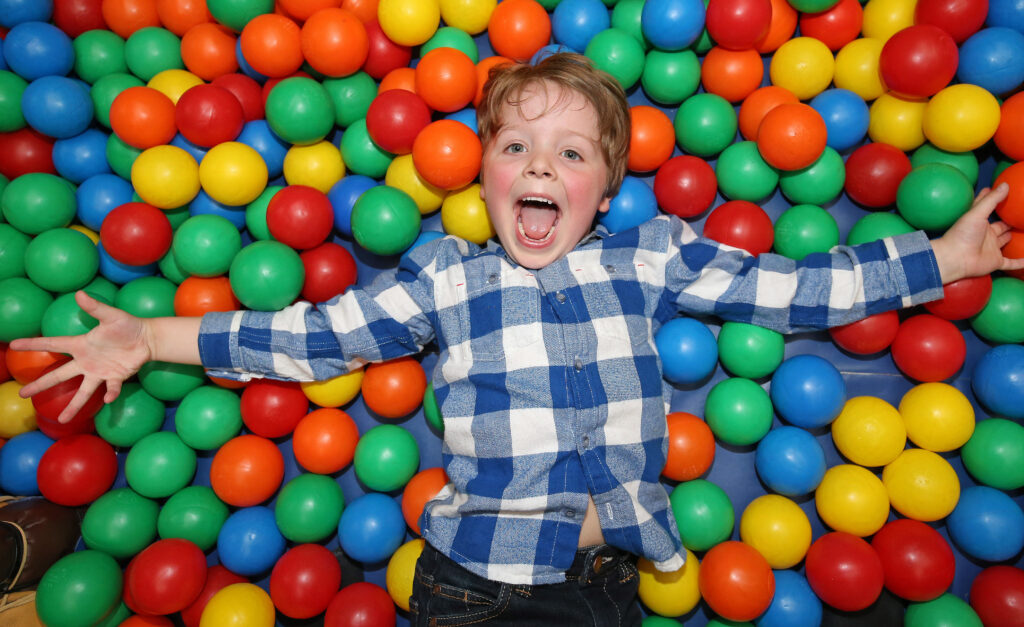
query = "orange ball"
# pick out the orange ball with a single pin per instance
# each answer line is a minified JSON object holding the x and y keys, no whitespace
{"x":446,"y":79}
{"x":791,"y":136}
{"x":447,"y":154}
{"x":198,"y":295}
{"x":302,"y":10}
{"x":1011,"y":210}
{"x":780,"y":28}
{"x":398,"y":78}
{"x":272,"y":44}
{"x":483,"y":72}
{"x":519,"y":28}
{"x":334,"y":42}
{"x":1014,"y":249}
{"x":178,"y":16}
{"x":652,"y":138}
{"x":395,"y":388}
{"x":758,"y":104}
{"x":423,"y":486}
{"x":691,"y":447}
{"x":731,"y":74}
{"x":140,"y":620}
{"x":26,"y":366}
{"x":124,"y":17}
{"x":208,"y":51}
{"x":230,"y":384}
{"x":736,"y":581}
{"x":246,"y":471}
{"x":325,"y":440}
{"x":143,"y":117}
{"x":1009,"y":135}
{"x":365,"y":10}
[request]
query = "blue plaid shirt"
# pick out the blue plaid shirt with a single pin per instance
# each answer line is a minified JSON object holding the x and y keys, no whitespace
{"x":549,"y":381}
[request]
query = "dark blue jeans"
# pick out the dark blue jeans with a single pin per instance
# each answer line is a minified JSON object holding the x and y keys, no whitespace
{"x":600,"y":591}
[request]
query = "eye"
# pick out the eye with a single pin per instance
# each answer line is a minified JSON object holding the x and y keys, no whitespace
{"x":572,"y":155}
{"x":515,"y":147}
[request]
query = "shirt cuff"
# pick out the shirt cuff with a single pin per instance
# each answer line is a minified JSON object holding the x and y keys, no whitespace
{"x":218,"y":345}
{"x":914,"y":267}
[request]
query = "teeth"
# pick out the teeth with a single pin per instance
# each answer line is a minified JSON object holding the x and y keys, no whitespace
{"x":537,"y":199}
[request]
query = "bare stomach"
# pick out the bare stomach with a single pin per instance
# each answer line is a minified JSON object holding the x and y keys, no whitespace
{"x":591,"y":532}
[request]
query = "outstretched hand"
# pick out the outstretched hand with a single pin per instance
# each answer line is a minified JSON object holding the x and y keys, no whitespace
{"x":110,"y":353}
{"x":973,"y":245}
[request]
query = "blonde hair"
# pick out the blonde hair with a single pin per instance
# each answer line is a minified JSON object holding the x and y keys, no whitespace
{"x":573,"y":72}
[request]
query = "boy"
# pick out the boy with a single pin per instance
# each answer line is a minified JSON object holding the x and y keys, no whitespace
{"x":548,"y":378}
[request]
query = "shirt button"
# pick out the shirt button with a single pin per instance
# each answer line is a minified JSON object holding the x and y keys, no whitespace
{"x":578,"y":364}
{"x":610,"y":269}
{"x":570,"y":513}
{"x":492,"y":279}
{"x":560,"y":296}
{"x":586,"y":441}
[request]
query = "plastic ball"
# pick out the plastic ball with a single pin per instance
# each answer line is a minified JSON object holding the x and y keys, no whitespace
{"x":804,"y":66}
{"x":738,"y":24}
{"x":994,"y":453}
{"x":208,"y":50}
{"x":705,"y":124}
{"x":738,"y":411}
{"x":57,"y":106}
{"x":160,"y":464}
{"x":736,"y":581}
{"x":993,"y":58}
{"x":249,"y":542}
{"x":336,"y":391}
{"x":308,"y":508}
{"x":836,"y":26}
{"x":142,"y":117}
{"x":897,"y":121}
{"x":962,"y":299}
{"x":618,"y":53}
{"x":744,"y":175}
{"x":334,"y":41}
{"x":703,"y":513}
{"x":360,"y":603}
{"x":34,"y":49}
{"x":918,"y":61}
{"x":239,"y":604}
{"x":394,"y":388}
{"x":193,"y":513}
{"x":928,"y":348}
{"x":1011,"y":210}
{"x":136,"y":233}
{"x":874,"y":172}
{"x":300,"y":216}
{"x":446,"y":79}
{"x":61,"y":260}
{"x":635,"y":204}
{"x":424,"y":486}
{"x":50,"y":402}
{"x":997,"y":380}
{"x":844,"y":571}
{"x":790,"y":461}
{"x":794,"y":602}
{"x":395,"y":118}
{"x":233,"y":173}
{"x":37,"y":202}
{"x":246,"y":470}
{"x":196,"y":296}
{"x":945,"y":608}
{"x":959,"y":19}
{"x":463,"y":211}
{"x":575,"y":22}
{"x":81,"y":157}
{"x":792,"y":136}
{"x":205,"y":245}
{"x":170,"y":382}
{"x":266,"y":275}
{"x":961,"y":118}
{"x":19,"y":457}
{"x":869,"y":431}
{"x":852,"y":499}
{"x":652,"y":138}
{"x":917,"y":561}
{"x":271,"y":45}
{"x":257,"y":135}
{"x":1009,"y":137}
{"x":120,"y":523}
{"x":217,"y":578}
{"x":304,"y":580}
{"x":938,"y":416}
{"x":80,"y":588}
{"x":687,"y":349}
{"x":804,"y":229}
{"x":749,"y":351}
{"x":329,"y":269}
{"x":409,"y":22}
{"x":76,"y":470}
{"x":385,"y":220}
{"x":808,"y":391}
{"x":208,"y":115}
{"x":165,"y":177}
{"x":672,"y":25}
{"x":740,"y":224}
{"x":166,"y":577}
{"x":384,"y":55}
{"x":386,"y":457}
{"x":731,"y":74}
{"x":685,"y":186}
{"x":987,"y":524}
{"x":25,"y":151}
{"x":401,"y":570}
{"x":777,"y":528}
{"x":921,"y":485}
{"x":997,"y":594}
{"x":300,"y":111}
{"x":845,"y":115}
{"x":670,"y":593}
{"x":208,"y":417}
{"x":371,"y":528}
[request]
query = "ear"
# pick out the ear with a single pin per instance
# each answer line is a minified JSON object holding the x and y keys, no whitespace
{"x":604,"y":206}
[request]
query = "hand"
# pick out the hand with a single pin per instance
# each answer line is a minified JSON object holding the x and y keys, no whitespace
{"x":111,"y":353}
{"x":973,"y":245}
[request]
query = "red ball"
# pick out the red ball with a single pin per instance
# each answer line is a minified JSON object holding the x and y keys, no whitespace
{"x":384,"y":55}
{"x":844,"y":571}
{"x":918,"y":61}
{"x":76,"y":470}
{"x":300,"y":216}
{"x":917,"y":561}
{"x":25,"y":150}
{"x":304,"y":581}
{"x":962,"y":299}
{"x":736,"y":581}
{"x":330,"y":269}
{"x":997,"y":595}
{"x":208,"y":115}
{"x":217,"y":577}
{"x":246,"y":90}
{"x":929,"y":348}
{"x":685,"y":186}
{"x":741,"y":224}
{"x":136,"y":234}
{"x":395,"y":118}
{"x":394,"y":388}
{"x":835,"y":27}
{"x":50,"y":402}
{"x":874,"y":172}
{"x":738,"y":24}
{"x":272,"y":408}
{"x":959,"y":18}
{"x":361,"y":604}
{"x":167,"y":576}
{"x":74,"y":17}
{"x":867,"y":335}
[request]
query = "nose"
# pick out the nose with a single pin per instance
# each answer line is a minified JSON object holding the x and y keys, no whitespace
{"x":539,"y":166}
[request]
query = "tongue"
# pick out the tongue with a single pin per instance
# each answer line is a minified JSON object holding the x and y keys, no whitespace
{"x":537,"y":222}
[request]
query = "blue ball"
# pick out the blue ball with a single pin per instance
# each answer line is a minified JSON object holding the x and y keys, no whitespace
{"x":249,"y":542}
{"x":632,"y":206}
{"x":14,"y":12}
{"x":371,"y":528}
{"x":993,"y":58}
{"x":467,"y":116}
{"x":1008,"y":13}
{"x":3,"y":61}
{"x":197,"y":152}
{"x":790,"y":461}
{"x":808,"y":391}
{"x":99,"y":195}
{"x":998,"y":381}
{"x":548,"y":50}
{"x":37,"y":49}
{"x":19,"y":460}
{"x":202,"y":204}
{"x":794,"y":603}
{"x":575,"y":22}
{"x":257,"y":135}
{"x":688,"y":351}
{"x":243,"y":65}
{"x":987,"y":524}
{"x":672,"y":24}
{"x":120,"y":273}
{"x":343,"y":196}
{"x":846,"y":117}
{"x":82,"y":156}
{"x":57,"y":106}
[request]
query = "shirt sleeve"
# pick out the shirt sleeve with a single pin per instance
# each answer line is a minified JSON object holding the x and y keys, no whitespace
{"x":820,"y":291}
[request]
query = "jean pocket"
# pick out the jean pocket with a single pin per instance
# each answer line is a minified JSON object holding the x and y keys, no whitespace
{"x":451,"y":606}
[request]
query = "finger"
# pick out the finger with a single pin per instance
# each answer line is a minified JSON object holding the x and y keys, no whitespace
{"x":981,"y":195}
{"x":54,"y":344}
{"x":101,"y":311}
{"x":1010,"y":264}
{"x":987,"y":203}
{"x":58,"y":375}
{"x":113,"y":390}
{"x":78,"y":400}
{"x":999,"y":227}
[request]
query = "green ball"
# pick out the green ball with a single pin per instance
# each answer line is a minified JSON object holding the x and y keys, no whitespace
{"x":235,"y":14}
{"x":703,"y":513}
{"x":159,"y":465}
{"x":65,"y":317}
{"x":147,"y":297}
{"x":13,"y":244}
{"x":256,"y":213}
{"x":819,"y":183}
{"x":386,"y":458}
{"x":947,"y":610}
{"x":206,"y":244}
{"x":999,"y":321}
{"x":385,"y":220}
{"x":706,"y":124}
{"x":743,"y":175}
{"x":451,"y":37}
{"x":195,"y":514}
{"x":626,"y":16}
{"x":80,"y":589}
{"x":3,"y":185}
{"x":300,"y":111}
{"x":549,"y":5}
{"x":933,"y":196}
{"x":718,"y":621}
{"x":61,"y":260}
{"x":704,"y":43}
{"x":619,"y":53}
{"x":738,"y":411}
{"x":120,"y":523}
{"x":170,"y":268}
{"x":966,"y":162}
{"x":361,"y":155}
{"x":431,"y":410}
{"x":175,"y":216}
{"x":995,"y":454}
{"x":670,"y":77}
{"x":151,"y":50}
{"x":208,"y":417}
{"x":659,"y":621}
{"x":266,"y":275}
{"x":121,"y":156}
{"x":12,"y":87}
{"x":37,"y":202}
{"x":749,"y":351}
{"x":120,"y":614}
{"x":133,"y":415}
{"x":97,"y":54}
{"x":805,"y":229}
{"x":351,"y":97}
{"x":102,"y":288}
{"x":22,"y":305}
{"x":1001,"y":165}
{"x":813,"y":6}
{"x":875,"y":226}
{"x":309,"y":507}
{"x":170,"y":382}
{"x":105,"y":90}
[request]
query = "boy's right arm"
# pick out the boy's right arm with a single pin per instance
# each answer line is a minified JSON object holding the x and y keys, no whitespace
{"x":113,"y":351}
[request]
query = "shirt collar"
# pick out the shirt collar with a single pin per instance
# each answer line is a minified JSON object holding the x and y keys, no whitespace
{"x":599,"y":232}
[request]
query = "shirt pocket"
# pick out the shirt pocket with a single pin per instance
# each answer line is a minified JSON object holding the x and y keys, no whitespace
{"x":500,"y":311}
{"x":616,"y":297}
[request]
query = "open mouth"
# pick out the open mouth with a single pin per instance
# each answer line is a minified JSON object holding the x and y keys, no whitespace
{"x":537,"y":219}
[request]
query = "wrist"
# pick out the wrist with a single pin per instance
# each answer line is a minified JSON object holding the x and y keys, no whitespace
{"x":949,"y":263}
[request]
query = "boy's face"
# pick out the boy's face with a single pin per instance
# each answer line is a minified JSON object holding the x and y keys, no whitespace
{"x":543,"y":175}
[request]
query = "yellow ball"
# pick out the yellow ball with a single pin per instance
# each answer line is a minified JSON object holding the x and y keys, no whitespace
{"x":921,"y":485}
{"x":403,"y":175}
{"x":316,"y":165}
{"x":464,"y":213}
{"x":852,"y":499}
{"x":17,"y":415}
{"x":938,"y":416}
{"x":173,"y":83}
{"x":165,"y":176}
{"x":869,"y":431}
{"x":471,"y":16}
{"x":804,"y":66}
{"x":857,"y":68}
{"x":897,"y":121}
{"x":233,"y":173}
{"x":777,"y":528}
{"x":336,"y":391}
{"x":239,"y":605}
{"x":885,"y":18}
{"x":409,"y":22}
{"x":670,"y":594}
{"x":84,"y":230}
{"x":401,"y":569}
{"x":961,"y":118}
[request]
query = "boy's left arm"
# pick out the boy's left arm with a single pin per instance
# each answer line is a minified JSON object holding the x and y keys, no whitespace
{"x":973,"y":245}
